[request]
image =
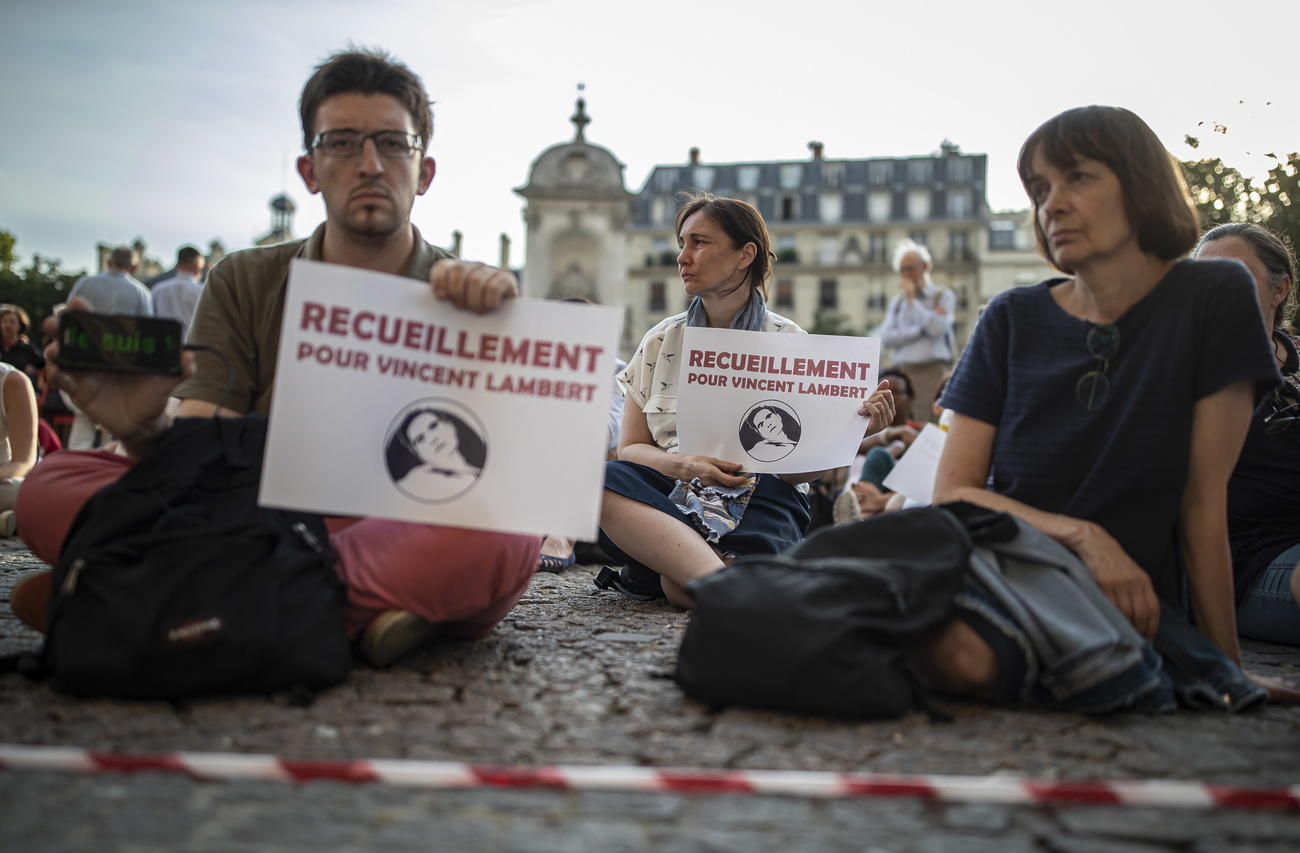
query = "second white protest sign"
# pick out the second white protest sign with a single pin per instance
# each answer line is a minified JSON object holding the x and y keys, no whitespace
{"x":776,"y":404}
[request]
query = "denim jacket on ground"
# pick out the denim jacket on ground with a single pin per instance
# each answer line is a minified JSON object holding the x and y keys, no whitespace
{"x":1081,"y":653}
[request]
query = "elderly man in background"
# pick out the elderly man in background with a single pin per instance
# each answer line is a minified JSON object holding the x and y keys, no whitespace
{"x":918,"y":325}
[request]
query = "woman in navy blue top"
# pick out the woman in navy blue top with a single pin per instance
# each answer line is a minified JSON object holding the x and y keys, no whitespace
{"x":1107,"y":408}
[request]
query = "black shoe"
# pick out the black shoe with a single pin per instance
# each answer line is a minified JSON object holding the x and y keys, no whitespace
{"x":636,"y":582}
{"x":590,"y":554}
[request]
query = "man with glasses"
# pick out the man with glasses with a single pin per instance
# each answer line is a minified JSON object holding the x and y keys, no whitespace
{"x":366,"y":128}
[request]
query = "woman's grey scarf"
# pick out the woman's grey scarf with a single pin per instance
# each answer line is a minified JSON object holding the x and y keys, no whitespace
{"x":716,"y":510}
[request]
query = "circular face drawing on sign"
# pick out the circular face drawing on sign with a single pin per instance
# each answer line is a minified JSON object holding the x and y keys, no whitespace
{"x":769,"y":431}
{"x":436,"y":450}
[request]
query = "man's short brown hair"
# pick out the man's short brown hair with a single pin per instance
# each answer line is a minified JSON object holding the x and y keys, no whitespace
{"x":369,"y":72}
{"x":1159,"y":209}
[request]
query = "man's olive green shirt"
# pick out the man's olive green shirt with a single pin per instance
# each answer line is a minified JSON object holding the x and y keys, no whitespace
{"x":239,"y":316}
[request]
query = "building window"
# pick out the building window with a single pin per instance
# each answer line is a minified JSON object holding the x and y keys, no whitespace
{"x":666,"y":180}
{"x":659,"y":211}
{"x":1002,"y":234}
{"x":918,"y":171}
{"x":878,"y":172}
{"x":828,"y":296}
{"x":959,"y":206}
{"x":785,"y":293}
{"x":747,"y":177}
{"x":828,"y":254}
{"x":832,"y":175}
{"x":791,"y":175}
{"x":958,"y":170}
{"x":663,"y":252}
{"x":878,"y":206}
{"x":852,"y":254}
{"x":789,"y":207}
{"x":786,"y":253}
{"x":876,"y":248}
{"x":918,"y":205}
{"x":832,"y":207}
{"x":658,"y":301}
{"x":919,"y":237}
{"x":959,"y":246}
{"x":898,"y":206}
{"x":704,"y":177}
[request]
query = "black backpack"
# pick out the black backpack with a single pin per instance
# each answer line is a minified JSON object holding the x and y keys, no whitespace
{"x":824,"y":627}
{"x":174,"y":582}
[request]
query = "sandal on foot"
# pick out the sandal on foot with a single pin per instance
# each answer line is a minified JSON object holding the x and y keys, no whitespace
{"x":549,"y":563}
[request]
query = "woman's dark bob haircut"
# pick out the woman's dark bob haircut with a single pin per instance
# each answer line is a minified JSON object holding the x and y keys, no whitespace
{"x":1159,"y":208}
{"x":743,"y":224}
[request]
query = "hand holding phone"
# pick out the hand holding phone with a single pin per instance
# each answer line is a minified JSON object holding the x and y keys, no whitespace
{"x":119,"y":343}
{"x":120,"y":371}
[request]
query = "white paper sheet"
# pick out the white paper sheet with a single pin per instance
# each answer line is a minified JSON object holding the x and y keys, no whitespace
{"x":775,"y":403}
{"x":392,"y":404}
{"x":913,"y":476}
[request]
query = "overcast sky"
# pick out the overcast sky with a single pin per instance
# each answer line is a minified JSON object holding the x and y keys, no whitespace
{"x":176,"y":122}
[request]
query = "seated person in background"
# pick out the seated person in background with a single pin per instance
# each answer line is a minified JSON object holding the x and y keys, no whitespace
{"x":885,"y":447}
{"x":681,"y":516}
{"x":17,"y":440}
{"x":16,"y":348}
{"x":1264,"y":492}
{"x":867,"y":496}
{"x":366,"y":128}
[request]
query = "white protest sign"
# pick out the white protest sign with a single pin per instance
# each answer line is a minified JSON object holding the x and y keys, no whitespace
{"x":775,"y":403}
{"x":913,"y":476}
{"x":393,"y":404}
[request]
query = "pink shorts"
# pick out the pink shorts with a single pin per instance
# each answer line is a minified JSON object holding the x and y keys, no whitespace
{"x":466,"y":580}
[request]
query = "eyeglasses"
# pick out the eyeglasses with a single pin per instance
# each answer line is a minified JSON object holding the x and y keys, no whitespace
{"x":1093,"y":386}
{"x":348,"y":143}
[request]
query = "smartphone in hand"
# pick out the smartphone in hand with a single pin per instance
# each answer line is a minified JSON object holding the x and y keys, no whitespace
{"x":119,"y":343}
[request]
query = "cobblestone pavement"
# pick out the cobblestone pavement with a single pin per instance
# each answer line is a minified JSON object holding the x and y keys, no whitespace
{"x":577,"y":676}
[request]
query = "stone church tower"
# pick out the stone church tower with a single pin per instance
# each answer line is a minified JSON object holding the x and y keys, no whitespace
{"x":576,"y":210}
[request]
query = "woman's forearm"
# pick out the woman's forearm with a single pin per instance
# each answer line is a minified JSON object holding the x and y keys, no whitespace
{"x":1069,"y":531}
{"x":650,"y":456}
{"x":1204,"y":542}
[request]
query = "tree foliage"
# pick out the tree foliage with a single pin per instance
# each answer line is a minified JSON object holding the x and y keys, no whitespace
{"x":1222,"y":194}
{"x":827,"y":322}
{"x":37,"y":287}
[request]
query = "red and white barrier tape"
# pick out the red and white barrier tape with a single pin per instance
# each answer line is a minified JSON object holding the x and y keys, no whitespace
{"x":796,"y":783}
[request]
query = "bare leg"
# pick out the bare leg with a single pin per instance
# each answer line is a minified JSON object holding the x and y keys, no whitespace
{"x":958,"y":661}
{"x":659,"y":542}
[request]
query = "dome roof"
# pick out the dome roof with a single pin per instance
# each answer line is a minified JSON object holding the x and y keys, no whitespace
{"x":576,"y":169}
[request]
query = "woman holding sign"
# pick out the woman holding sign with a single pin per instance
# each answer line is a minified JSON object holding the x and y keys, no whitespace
{"x":680,"y":516}
{"x":1106,"y":408}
